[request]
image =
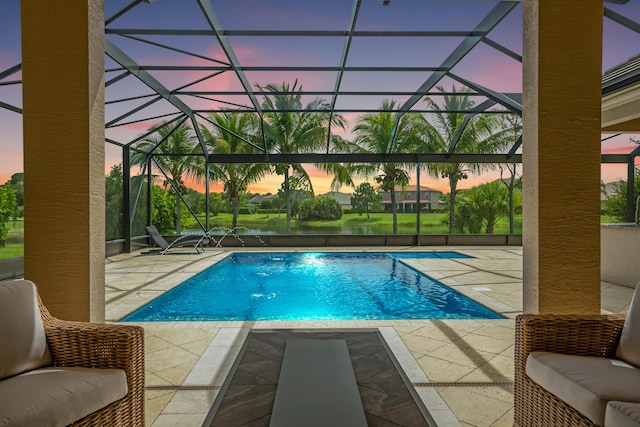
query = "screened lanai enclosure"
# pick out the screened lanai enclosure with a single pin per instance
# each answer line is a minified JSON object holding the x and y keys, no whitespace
{"x":215,"y":106}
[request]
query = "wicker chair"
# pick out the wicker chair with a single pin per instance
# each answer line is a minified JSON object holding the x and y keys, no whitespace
{"x":98,"y":345}
{"x":595,"y":335}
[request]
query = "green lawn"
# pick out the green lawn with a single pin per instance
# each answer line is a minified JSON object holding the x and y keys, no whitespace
{"x":378,"y":223}
{"x":11,"y":251}
{"x":14,"y":247}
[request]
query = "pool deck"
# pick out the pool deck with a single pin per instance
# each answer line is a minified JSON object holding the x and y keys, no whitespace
{"x":462,"y":369}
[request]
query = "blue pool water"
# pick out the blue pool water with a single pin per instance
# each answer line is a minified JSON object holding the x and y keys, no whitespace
{"x":313,"y":286}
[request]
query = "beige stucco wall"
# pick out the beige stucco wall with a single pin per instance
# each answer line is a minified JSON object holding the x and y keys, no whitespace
{"x":63,"y":121}
{"x":620,"y":255}
{"x":561,"y":117}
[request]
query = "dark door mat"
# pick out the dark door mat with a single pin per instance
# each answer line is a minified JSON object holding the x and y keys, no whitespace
{"x":247,"y":396}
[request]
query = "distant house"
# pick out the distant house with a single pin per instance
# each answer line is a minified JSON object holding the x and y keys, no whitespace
{"x":407,"y":200}
{"x":608,"y":190}
{"x":257,"y":200}
{"x":611,"y":188}
{"x":342,"y":198}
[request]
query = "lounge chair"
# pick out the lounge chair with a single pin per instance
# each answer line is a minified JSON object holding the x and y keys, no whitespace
{"x":578,"y":370}
{"x":195,"y":242}
{"x":55,"y":372}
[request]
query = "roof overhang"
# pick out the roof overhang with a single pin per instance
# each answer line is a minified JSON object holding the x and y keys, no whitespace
{"x":621,"y":110}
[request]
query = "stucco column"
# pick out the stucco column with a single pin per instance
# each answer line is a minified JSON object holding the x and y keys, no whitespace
{"x":561,"y":155}
{"x":63,"y":102}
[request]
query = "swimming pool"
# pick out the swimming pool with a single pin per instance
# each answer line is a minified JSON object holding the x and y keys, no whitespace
{"x":313,"y":286}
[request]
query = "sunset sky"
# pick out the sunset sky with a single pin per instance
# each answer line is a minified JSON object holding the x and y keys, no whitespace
{"x":484,"y":65}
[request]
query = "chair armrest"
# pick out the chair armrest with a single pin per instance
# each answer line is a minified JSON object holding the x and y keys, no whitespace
{"x":584,"y":335}
{"x":94,"y":345}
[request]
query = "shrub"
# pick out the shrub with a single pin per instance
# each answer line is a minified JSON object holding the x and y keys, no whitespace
{"x":7,"y":210}
{"x":163,"y":211}
{"x":616,"y":205}
{"x":321,"y":208}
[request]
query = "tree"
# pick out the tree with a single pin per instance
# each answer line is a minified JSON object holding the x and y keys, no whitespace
{"x":324,"y":207}
{"x":195,"y":200}
{"x":492,"y":201}
{"x":162,"y":211}
{"x":446,"y":135}
{"x":278,"y":201}
{"x":483,"y":206}
{"x":513,"y":130}
{"x":173,"y":149}
{"x":232,"y":134}
{"x":373,"y":132}
{"x":7,"y":208}
{"x":16,"y":183}
{"x":291,"y":128}
{"x":299,"y":191}
{"x":468,"y":215}
{"x":216,"y":203}
{"x":366,"y":199}
{"x":113,"y":203}
{"x":616,"y":205}
{"x":267,"y":205}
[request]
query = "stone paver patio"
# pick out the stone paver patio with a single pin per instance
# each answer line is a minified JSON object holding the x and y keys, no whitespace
{"x":462,"y":369}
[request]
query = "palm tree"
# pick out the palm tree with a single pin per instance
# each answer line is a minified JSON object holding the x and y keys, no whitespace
{"x":173,"y":150}
{"x":477,"y":137}
{"x":288,"y":131}
{"x":467,"y":213}
{"x":512,"y":126}
{"x":492,"y":202}
{"x":227,"y":138}
{"x":373,"y":133}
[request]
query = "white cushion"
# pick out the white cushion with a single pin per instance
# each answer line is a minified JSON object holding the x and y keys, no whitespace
{"x":55,"y":396}
{"x":622,"y":414}
{"x":583,"y":382}
{"x":23,"y":345}
{"x":629,"y":345}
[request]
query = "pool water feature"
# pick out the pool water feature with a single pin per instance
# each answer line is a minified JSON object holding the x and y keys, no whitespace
{"x":313,"y":286}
